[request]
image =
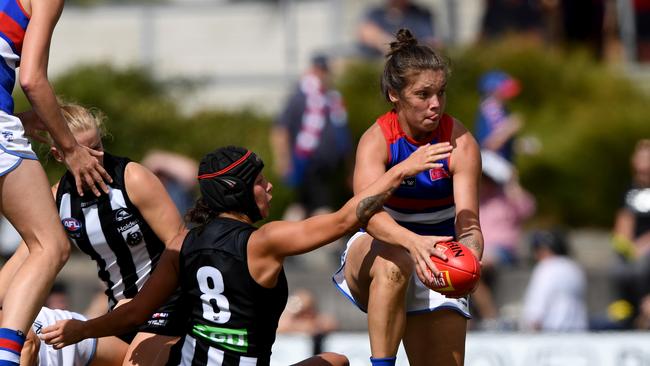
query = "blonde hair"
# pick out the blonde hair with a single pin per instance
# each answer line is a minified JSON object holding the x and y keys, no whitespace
{"x":80,"y":119}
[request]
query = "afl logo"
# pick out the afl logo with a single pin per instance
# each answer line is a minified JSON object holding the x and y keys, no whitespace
{"x":71,"y":224}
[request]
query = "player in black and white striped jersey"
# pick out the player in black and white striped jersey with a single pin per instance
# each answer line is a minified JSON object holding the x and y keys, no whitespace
{"x":124,"y":232}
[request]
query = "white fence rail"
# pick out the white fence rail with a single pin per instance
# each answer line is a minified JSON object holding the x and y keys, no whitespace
{"x":497,"y":349}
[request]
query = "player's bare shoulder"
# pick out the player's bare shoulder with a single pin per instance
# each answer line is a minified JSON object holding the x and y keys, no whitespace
{"x":465,"y":145}
{"x":372,"y":144}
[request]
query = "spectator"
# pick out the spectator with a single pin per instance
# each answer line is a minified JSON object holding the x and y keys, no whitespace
{"x":503,"y":17}
{"x":496,"y":127}
{"x":642,"y":22}
{"x":380,"y":23}
{"x":584,"y":24}
{"x":555,"y":296}
{"x":58,"y":299}
{"x":504,"y":206}
{"x":302,"y":316}
{"x":177,"y":173}
{"x":632,"y":237}
{"x":311,"y":143}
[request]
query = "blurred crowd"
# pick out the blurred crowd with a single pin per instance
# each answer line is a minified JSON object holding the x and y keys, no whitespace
{"x":595,"y":25}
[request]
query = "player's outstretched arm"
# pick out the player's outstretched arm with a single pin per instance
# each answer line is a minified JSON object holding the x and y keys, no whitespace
{"x":282,"y":238}
{"x":156,"y":290}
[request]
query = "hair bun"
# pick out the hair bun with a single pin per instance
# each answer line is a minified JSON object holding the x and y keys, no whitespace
{"x":405,"y":39}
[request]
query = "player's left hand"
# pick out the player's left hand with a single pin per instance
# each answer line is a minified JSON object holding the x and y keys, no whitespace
{"x":63,"y":333}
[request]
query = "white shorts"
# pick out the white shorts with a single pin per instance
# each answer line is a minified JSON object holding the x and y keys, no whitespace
{"x":78,"y":354}
{"x":14,"y":146}
{"x":419,"y":298}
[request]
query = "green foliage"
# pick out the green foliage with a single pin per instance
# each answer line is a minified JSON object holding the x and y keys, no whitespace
{"x":142,"y":116}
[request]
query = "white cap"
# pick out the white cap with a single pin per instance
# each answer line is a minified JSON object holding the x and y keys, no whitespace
{"x":495,"y":167}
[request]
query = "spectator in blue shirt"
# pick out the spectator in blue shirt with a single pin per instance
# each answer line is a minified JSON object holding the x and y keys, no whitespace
{"x":496,"y":127}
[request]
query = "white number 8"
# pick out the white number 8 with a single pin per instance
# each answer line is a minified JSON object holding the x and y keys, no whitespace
{"x":213,"y":295}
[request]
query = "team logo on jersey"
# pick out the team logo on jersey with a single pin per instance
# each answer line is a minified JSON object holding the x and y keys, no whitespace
{"x":37,"y":326}
{"x":71,"y":224}
{"x":134,"y":238}
{"x":122,"y":214}
{"x":438,"y":173}
{"x":408,"y":182}
{"x":8,"y":135}
{"x":158,"y":320}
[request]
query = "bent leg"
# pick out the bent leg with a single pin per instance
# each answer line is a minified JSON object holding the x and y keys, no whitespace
{"x":436,"y":338}
{"x":149,"y":349}
{"x":378,"y":275}
{"x":26,"y":200}
{"x":325,"y":359}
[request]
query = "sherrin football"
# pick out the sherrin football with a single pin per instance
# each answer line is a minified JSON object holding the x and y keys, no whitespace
{"x":459,"y":275}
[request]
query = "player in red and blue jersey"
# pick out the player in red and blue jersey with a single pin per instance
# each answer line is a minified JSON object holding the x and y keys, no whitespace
{"x":424,"y":203}
{"x":385,"y":269}
{"x":25,"y":199}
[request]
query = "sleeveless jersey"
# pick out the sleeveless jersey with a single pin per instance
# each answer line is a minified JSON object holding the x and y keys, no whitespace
{"x":13,"y":24}
{"x":111,"y":230}
{"x":424,"y":203}
{"x":232,"y":318}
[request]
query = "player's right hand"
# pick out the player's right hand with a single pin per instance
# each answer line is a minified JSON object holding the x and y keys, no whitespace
{"x":63,"y":333}
{"x":421,"y":250}
{"x":84,"y":165}
{"x":426,"y":157}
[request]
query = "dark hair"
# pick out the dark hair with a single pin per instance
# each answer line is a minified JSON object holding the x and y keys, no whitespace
{"x":555,"y":240}
{"x":201,"y":213}
{"x":405,"y":57}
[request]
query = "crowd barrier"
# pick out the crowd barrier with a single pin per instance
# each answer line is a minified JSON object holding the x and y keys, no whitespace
{"x":495,"y":349}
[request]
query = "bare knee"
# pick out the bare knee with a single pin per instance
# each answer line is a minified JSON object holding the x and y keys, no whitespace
{"x":54,"y":253}
{"x":393,"y":270}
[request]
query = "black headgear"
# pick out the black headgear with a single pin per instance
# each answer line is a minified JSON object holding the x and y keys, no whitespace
{"x":226,"y":178}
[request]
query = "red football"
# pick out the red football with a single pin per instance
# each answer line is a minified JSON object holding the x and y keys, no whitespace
{"x":459,"y":275}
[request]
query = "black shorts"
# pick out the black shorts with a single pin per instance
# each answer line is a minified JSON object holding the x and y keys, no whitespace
{"x":168,"y":320}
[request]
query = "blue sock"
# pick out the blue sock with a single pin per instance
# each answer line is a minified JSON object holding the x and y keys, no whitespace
{"x":11,"y":343}
{"x":385,"y":361}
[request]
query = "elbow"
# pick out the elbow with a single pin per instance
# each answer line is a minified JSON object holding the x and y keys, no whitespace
{"x":31,"y":82}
